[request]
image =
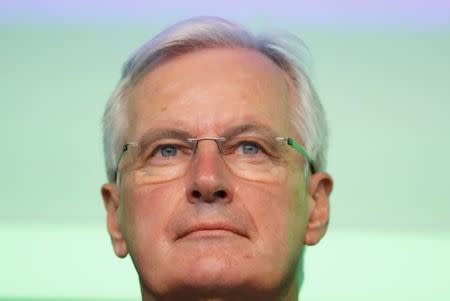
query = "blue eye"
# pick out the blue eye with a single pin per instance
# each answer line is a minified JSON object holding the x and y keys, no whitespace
{"x":168,"y":150}
{"x":250,"y":148}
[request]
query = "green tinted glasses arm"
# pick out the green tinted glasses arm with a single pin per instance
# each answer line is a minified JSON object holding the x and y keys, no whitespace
{"x":299,"y":148}
{"x":122,"y":152}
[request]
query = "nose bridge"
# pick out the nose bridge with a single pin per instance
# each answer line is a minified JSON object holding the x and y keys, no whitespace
{"x":207,"y":154}
{"x":207,"y":172}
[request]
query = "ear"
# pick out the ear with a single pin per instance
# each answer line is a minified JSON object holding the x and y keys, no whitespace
{"x":319,"y":189}
{"x":111,"y":200}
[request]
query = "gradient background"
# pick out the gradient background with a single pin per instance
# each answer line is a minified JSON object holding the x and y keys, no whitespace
{"x":382,"y":69}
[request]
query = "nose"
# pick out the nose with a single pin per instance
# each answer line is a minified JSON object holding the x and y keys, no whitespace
{"x":208,"y":177}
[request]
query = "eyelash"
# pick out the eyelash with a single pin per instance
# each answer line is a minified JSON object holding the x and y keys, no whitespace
{"x":161,"y":146}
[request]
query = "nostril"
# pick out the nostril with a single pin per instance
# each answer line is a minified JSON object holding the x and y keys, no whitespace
{"x":196,"y":194}
{"x":220,"y":194}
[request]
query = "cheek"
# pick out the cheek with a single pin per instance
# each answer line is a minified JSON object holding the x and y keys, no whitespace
{"x":146,"y":213}
{"x":278,"y":213}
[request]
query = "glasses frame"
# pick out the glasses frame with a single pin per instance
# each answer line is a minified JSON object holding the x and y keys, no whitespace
{"x":288,"y":140}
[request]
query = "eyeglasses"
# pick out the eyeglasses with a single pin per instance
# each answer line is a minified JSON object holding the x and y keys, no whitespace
{"x":166,"y":155}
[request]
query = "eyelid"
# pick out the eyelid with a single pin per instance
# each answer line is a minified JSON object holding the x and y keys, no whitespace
{"x":252,"y":146}
{"x":161,"y":146}
{"x":263,"y":145}
{"x":152,"y":148}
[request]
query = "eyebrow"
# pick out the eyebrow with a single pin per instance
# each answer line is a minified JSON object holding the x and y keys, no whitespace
{"x":163,"y":133}
{"x":256,"y":128}
{"x":153,"y":135}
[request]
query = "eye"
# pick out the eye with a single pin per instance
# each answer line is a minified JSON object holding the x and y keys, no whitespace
{"x":249,"y":148}
{"x":167,"y":150}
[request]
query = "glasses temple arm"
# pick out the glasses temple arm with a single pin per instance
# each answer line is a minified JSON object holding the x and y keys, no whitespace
{"x":299,"y":148}
{"x":122,"y":152}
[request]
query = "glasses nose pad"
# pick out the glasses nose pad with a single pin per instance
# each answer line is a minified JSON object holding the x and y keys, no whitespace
{"x":219,"y":141}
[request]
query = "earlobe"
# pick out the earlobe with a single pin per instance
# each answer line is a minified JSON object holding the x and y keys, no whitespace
{"x":319,"y":191}
{"x":111,"y":201}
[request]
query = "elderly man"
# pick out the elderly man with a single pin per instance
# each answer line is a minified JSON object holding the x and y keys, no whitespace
{"x":215,"y":153}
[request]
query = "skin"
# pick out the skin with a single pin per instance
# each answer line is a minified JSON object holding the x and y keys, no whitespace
{"x":205,"y":93}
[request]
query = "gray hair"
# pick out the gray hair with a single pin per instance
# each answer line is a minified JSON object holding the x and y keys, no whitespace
{"x":286,"y":51}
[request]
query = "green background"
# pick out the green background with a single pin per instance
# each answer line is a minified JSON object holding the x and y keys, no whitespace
{"x":386,"y":90}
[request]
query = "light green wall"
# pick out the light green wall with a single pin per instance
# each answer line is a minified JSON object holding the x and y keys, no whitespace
{"x":77,"y":261}
{"x":387,"y":95}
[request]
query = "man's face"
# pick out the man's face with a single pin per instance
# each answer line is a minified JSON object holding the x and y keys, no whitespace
{"x":210,"y":229}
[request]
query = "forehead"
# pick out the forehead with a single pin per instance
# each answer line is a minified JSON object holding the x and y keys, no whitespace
{"x":207,"y":91}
